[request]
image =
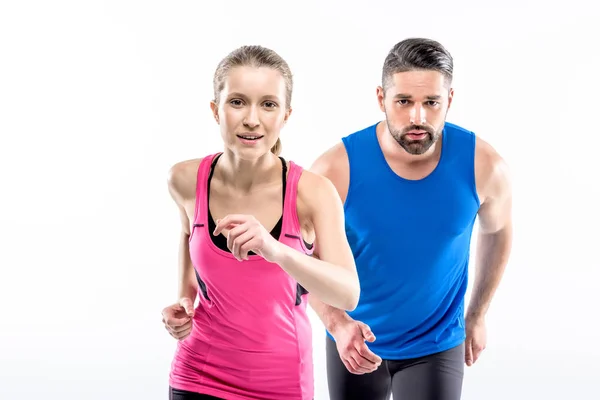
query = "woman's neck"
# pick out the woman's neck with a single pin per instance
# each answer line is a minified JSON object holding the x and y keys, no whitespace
{"x":247,"y":175}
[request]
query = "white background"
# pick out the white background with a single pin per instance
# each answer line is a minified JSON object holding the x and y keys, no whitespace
{"x":98,"y":99}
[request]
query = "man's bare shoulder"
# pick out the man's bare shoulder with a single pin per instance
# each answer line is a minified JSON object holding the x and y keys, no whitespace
{"x":491,"y":170}
{"x":333,"y":159}
{"x":182,"y":179}
{"x":333,"y":164}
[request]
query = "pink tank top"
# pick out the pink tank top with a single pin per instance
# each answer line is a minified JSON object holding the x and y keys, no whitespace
{"x":250,"y":339}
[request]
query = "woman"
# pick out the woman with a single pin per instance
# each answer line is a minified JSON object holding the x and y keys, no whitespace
{"x":248,"y":220}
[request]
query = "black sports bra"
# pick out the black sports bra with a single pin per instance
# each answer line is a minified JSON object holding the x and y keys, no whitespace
{"x":220,"y":240}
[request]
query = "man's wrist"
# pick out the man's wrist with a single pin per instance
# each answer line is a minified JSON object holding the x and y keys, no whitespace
{"x":336,"y":318}
{"x":475,"y":315}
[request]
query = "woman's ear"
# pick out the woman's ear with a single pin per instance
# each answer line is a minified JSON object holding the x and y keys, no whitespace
{"x":215,"y":110}
{"x":287,"y":115}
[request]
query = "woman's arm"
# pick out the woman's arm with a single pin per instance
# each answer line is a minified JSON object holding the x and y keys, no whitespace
{"x":181,"y":184}
{"x":331,"y":277}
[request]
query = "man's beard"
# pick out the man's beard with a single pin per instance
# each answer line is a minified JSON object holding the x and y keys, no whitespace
{"x":415,"y":147}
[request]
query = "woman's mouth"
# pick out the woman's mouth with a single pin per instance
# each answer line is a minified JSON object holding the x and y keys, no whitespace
{"x":250,"y":139}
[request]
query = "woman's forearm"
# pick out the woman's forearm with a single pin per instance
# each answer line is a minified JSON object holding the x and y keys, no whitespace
{"x":187,"y":283}
{"x":333,"y":284}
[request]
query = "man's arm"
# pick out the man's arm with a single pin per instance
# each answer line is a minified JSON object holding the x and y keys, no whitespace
{"x":495,"y":229}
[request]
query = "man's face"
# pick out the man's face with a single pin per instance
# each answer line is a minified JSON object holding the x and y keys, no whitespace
{"x":415,"y":104}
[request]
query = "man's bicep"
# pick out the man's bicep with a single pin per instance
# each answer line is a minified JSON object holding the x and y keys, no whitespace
{"x":333,"y":165}
{"x":495,"y":212}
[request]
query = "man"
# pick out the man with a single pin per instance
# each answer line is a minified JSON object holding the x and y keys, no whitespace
{"x":413,"y":186}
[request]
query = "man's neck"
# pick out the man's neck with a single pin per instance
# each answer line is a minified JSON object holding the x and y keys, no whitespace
{"x":394,"y":151}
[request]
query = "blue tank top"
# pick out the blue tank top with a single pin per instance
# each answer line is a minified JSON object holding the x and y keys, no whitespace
{"x":411,"y":242}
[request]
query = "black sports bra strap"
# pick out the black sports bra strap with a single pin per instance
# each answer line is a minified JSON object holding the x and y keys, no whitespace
{"x":284,"y":178}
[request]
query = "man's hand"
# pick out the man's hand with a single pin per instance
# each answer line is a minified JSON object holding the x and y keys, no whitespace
{"x":350,"y":337}
{"x":476,"y":339}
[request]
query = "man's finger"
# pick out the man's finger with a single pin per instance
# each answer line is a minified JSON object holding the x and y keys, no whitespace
{"x":364,"y":363}
{"x":468,"y":353}
{"x":366,"y":353}
{"x":477,"y":350}
{"x":349,"y":367}
{"x":354,"y":367}
{"x":368,"y":335}
{"x":361,"y":365}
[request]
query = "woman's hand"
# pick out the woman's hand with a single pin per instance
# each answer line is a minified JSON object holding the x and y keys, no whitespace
{"x":245,"y":234}
{"x":178,"y":318}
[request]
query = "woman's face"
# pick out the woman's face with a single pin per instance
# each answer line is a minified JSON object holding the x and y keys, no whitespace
{"x":251,"y":110}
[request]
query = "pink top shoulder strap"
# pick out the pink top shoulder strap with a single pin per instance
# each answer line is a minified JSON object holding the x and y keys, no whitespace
{"x":291,"y":225}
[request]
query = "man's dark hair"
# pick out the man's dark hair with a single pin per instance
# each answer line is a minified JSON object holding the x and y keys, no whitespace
{"x":415,"y":54}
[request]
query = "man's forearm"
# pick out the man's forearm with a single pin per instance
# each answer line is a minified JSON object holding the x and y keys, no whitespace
{"x":493,"y":251}
{"x":329,"y":316}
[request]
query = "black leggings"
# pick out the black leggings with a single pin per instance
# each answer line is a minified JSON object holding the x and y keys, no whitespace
{"x":435,"y":377}
{"x":176,"y":394}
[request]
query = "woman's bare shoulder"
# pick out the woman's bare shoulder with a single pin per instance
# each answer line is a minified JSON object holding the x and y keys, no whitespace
{"x":182,"y":179}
